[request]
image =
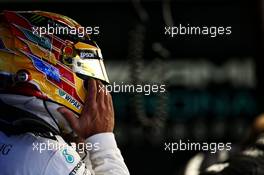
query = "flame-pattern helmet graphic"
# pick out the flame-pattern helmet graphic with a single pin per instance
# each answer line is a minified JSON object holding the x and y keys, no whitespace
{"x":53,"y":66}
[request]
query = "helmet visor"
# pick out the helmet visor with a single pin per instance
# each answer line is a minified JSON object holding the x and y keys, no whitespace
{"x":93,"y":68}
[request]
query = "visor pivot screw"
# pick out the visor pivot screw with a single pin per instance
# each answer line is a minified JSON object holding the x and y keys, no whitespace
{"x":79,"y":64}
{"x":22,"y":76}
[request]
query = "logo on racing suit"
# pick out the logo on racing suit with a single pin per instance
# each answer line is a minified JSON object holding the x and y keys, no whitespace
{"x":79,"y":167}
{"x":5,"y":148}
{"x":70,"y":99}
{"x":69,"y":158}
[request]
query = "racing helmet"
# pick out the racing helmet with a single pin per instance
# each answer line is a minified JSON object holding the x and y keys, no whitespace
{"x":47,"y":56}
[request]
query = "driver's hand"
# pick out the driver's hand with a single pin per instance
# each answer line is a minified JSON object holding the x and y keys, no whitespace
{"x":97,"y":115}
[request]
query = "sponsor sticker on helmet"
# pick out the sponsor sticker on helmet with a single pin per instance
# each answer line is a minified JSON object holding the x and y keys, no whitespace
{"x":69,"y":98}
{"x":87,"y":54}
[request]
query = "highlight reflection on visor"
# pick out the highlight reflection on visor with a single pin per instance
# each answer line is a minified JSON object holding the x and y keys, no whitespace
{"x":90,"y":67}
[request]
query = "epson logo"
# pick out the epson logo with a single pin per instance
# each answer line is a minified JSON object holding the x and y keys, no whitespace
{"x":87,"y":55}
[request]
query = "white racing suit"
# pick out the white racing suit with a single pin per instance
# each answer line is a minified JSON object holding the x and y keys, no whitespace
{"x":34,"y":154}
{"x":29,"y":154}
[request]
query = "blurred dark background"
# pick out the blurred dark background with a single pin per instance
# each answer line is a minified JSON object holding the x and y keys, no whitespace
{"x":214,"y":85}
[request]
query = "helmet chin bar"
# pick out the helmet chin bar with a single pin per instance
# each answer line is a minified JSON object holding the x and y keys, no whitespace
{"x":27,"y":89}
